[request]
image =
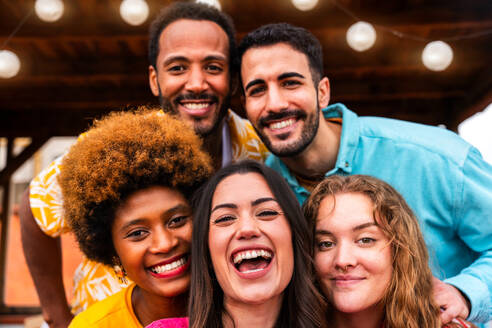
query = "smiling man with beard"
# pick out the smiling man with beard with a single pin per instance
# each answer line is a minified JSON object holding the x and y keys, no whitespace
{"x":444,"y":179}
{"x":190,"y":51}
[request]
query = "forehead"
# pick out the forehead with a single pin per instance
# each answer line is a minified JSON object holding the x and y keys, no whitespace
{"x":345,"y":210}
{"x":272,"y":60}
{"x":148,"y":201}
{"x":239,"y":188}
{"x":186,"y":37}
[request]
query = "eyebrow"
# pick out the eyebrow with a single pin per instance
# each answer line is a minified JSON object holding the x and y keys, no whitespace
{"x":263,"y":200}
{"x":282,"y":76}
{"x":186,"y":59}
{"x":225,"y":205}
{"x":142,"y":220}
{"x":290,"y":74}
{"x":253,"y":203}
{"x":356,"y":228}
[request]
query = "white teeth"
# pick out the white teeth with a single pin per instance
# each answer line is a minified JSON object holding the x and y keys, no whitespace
{"x":251,"y":255}
{"x":195,"y":106}
{"x":282,"y":124}
{"x":169,"y":266}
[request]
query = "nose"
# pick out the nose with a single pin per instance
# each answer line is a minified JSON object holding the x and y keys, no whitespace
{"x":247,"y":228}
{"x":276,"y":100}
{"x":345,"y":258}
{"x":197,"y":81}
{"x":163,"y":241}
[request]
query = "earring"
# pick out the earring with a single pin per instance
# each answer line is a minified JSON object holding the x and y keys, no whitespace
{"x":119,"y":270}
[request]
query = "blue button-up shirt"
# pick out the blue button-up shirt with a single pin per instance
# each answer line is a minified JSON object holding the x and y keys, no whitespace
{"x":444,"y":180}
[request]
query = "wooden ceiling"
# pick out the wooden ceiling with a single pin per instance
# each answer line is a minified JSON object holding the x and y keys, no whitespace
{"x":90,"y":61}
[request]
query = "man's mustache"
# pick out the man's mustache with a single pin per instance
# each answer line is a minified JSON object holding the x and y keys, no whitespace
{"x":195,"y":96}
{"x":278,"y":116}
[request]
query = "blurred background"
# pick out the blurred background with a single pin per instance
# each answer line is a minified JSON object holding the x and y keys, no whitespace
{"x":65,"y":62}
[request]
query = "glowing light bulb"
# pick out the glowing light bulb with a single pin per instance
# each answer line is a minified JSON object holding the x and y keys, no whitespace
{"x":134,"y":12}
{"x":361,"y":36}
{"x":9,"y":64}
{"x":49,"y":10}
{"x":437,"y":55}
{"x":213,"y":3}
{"x":304,"y":5}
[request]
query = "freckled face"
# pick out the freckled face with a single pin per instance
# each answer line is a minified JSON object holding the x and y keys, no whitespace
{"x":352,"y":256}
{"x":152,"y":234}
{"x":250,"y":241}
{"x":281,"y":100}
{"x":192,"y":74}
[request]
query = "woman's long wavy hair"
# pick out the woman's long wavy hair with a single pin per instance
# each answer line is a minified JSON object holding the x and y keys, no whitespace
{"x":408,"y":299}
{"x":302,"y":305}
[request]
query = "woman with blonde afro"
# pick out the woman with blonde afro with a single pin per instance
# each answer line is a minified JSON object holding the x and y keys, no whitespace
{"x":370,"y":256}
{"x":126,"y":185}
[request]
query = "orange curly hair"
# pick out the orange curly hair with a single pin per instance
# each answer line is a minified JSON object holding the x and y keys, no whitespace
{"x":122,"y":153}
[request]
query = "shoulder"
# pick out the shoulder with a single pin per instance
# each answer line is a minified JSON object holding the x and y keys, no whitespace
{"x":114,"y":309}
{"x":419,"y":137}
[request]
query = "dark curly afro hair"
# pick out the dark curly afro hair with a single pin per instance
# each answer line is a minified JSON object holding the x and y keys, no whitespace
{"x":122,"y":153}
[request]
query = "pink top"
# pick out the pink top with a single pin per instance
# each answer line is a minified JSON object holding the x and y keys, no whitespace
{"x":170,"y":323}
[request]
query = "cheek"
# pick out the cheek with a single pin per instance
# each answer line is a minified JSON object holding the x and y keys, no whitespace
{"x":322,"y":264}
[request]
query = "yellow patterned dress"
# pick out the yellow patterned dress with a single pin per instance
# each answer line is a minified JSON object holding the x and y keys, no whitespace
{"x":94,"y":281}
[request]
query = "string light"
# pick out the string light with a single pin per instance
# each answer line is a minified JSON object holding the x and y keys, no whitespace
{"x":49,"y":10}
{"x":213,"y":3}
{"x":9,"y":64}
{"x":437,"y":55}
{"x":361,"y":36}
{"x":304,"y":5}
{"x":134,"y":12}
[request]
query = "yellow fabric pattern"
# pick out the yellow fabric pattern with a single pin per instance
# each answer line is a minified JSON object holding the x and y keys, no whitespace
{"x":114,"y":311}
{"x":94,"y":281}
{"x":245,"y":143}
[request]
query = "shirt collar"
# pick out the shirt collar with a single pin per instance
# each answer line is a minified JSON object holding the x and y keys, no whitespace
{"x":346,"y":152}
{"x":349,"y":138}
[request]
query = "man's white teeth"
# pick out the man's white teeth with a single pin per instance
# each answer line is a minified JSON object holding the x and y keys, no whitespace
{"x":195,"y":106}
{"x":169,"y":266}
{"x":246,"y":255}
{"x":282,"y":124}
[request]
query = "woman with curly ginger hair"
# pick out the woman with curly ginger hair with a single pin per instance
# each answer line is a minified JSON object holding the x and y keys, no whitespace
{"x":370,"y":256}
{"x":126,"y":186}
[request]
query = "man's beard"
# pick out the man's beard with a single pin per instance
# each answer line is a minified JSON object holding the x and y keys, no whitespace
{"x":169,"y":106}
{"x":308,"y":132}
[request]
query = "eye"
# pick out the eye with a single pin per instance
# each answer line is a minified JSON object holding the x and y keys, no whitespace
{"x":256,"y":91}
{"x":291,"y":83}
{"x":224,"y":220}
{"x":366,"y":241}
{"x":324,"y":245}
{"x":268,"y":214}
{"x":176,"y":69}
{"x":136,"y":234}
{"x":214,"y":68}
{"x":178,"y":221}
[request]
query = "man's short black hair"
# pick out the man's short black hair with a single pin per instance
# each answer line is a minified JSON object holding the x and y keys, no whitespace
{"x":193,"y":11}
{"x":297,"y":37}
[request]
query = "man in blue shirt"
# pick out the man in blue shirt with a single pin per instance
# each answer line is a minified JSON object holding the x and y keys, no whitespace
{"x":444,"y":179}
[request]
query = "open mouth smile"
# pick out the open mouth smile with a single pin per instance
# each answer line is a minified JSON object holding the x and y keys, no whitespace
{"x":252,"y":263}
{"x":171,"y":268}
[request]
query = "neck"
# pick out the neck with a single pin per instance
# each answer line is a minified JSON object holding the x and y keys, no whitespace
{"x":151,"y":307}
{"x":367,"y":319}
{"x":321,"y":154}
{"x":212,"y":143}
{"x":252,"y":315}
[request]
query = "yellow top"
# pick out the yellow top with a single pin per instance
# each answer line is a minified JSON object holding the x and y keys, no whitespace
{"x":94,"y":281}
{"x":114,"y":311}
